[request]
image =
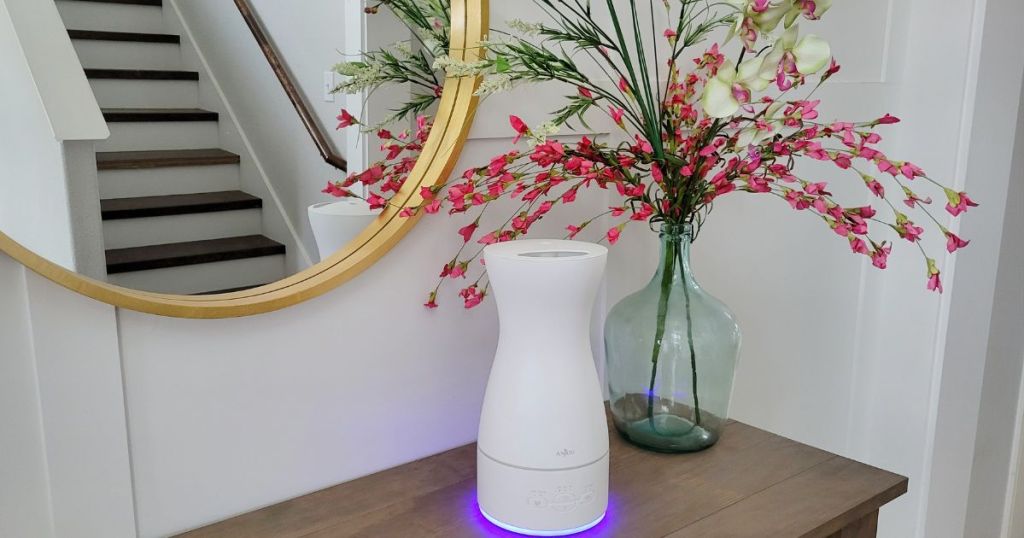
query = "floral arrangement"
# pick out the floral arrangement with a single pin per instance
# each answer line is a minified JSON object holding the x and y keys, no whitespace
{"x":692,"y":130}
{"x":409,"y":62}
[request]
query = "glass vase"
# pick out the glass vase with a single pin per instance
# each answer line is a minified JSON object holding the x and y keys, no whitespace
{"x":671,"y":350}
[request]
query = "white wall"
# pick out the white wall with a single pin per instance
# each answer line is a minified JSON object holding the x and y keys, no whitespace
{"x":997,"y":414}
{"x":226,"y":416}
{"x":64,"y":458}
{"x":48,"y":120}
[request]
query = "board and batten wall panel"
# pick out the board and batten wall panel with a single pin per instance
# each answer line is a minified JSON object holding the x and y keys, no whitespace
{"x":25,"y":491}
{"x":226,"y":416}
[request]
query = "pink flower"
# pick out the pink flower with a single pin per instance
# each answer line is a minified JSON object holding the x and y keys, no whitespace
{"x":887,"y":120}
{"x":954,"y":243}
{"x":865,"y":212}
{"x":910,"y":171}
{"x":797,"y":201}
{"x":334,"y":190}
{"x":910,"y":232}
{"x":832,"y":69}
{"x":958,"y":202}
{"x":613,"y":235}
{"x":642,"y":145}
{"x":670,"y":35}
{"x":585,"y":92}
{"x":644,"y":213}
{"x":345,"y":119}
{"x":471,"y":295}
{"x":816,"y":188}
{"x":573,"y":230}
{"x":884,"y":166}
{"x":656,"y":173}
{"x":371,"y":175}
{"x":433,"y":207}
{"x":912,"y":199}
{"x":876,"y":188}
{"x":376,"y":201}
{"x":858,"y":245}
{"x":467,"y":231}
{"x":548,"y":153}
{"x":624,"y":86}
{"x":431,"y":300}
{"x":616,"y":114}
{"x":519,"y":126}
{"x":934,"y":282}
{"x":880,"y":256}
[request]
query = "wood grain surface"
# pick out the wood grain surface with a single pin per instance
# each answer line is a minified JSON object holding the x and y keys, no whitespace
{"x":751,"y":484}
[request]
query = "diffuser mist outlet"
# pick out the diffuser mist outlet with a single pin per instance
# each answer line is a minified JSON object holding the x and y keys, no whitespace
{"x":542,"y":455}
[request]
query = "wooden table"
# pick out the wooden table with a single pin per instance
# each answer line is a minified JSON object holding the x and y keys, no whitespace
{"x":751,"y":484}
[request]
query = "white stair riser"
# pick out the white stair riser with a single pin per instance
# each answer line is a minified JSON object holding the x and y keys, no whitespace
{"x":100,"y":54}
{"x":124,"y":233}
{"x":205,"y":276}
{"x":111,"y":17}
{"x":171,"y":180}
{"x":146,"y":93}
{"x":148,"y":135}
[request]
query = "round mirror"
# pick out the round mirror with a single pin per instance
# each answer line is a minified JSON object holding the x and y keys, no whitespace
{"x":186,"y":209}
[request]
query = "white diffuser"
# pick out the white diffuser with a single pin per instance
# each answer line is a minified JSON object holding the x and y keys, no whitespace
{"x":336,"y":223}
{"x":542,"y":457}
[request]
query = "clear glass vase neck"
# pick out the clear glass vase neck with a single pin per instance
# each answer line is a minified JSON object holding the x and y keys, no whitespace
{"x":674,"y":257}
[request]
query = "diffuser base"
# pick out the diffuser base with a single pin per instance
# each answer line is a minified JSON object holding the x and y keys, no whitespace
{"x":531,"y":532}
{"x":542,"y":502}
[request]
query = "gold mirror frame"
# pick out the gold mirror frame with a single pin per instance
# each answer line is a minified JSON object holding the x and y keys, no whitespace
{"x":451,"y":126}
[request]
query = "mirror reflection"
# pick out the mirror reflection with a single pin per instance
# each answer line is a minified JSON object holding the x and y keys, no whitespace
{"x":187,"y":195}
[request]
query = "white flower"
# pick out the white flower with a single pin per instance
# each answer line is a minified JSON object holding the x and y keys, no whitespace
{"x":733,"y":87}
{"x":498,"y":82}
{"x":538,"y":135}
{"x":459,"y":68}
{"x":523,"y":27}
{"x":361,"y":76}
{"x":404,"y":48}
{"x":805,"y":56}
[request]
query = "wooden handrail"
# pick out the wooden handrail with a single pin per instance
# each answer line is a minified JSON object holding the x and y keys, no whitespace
{"x":323,"y":144}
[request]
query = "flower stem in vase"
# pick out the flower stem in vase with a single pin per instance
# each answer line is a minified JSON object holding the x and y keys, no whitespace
{"x":659,"y":332}
{"x":689,"y":340}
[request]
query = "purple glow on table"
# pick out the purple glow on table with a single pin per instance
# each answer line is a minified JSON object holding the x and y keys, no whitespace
{"x":486,"y":528}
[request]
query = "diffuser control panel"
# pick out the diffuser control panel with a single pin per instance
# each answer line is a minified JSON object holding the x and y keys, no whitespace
{"x":561,"y":498}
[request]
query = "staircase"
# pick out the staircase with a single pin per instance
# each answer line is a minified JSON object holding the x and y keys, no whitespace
{"x":175,"y":219}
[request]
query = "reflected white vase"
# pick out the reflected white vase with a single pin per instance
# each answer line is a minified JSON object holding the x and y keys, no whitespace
{"x":335,"y":224}
{"x":542,"y":455}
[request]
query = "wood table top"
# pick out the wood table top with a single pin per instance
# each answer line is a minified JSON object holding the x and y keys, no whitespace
{"x":751,"y":484}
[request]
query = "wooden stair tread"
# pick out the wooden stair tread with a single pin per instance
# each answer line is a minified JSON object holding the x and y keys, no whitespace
{"x":157,"y":3}
{"x":157,"y":114}
{"x":101,"y":35}
{"x":141,"y":74}
{"x":135,"y":160}
{"x":177,"y":204}
{"x":123,"y":260}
